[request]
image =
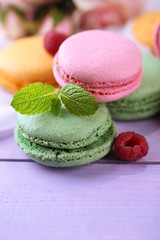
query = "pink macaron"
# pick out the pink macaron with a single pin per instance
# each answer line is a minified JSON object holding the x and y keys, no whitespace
{"x":156,"y":40}
{"x":107,"y":65}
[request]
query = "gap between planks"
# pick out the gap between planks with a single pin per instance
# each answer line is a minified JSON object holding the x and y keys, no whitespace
{"x":152,"y":162}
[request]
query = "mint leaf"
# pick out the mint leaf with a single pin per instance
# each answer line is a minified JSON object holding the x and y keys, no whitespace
{"x":34,"y":99}
{"x":78,"y":101}
{"x":37,"y":98}
{"x":56,"y":106}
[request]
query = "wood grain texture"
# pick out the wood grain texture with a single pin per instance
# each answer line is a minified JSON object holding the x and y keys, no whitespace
{"x":94,"y":202}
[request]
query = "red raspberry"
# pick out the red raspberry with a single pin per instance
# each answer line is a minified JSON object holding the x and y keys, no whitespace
{"x":131,"y":146}
{"x":52,"y":41}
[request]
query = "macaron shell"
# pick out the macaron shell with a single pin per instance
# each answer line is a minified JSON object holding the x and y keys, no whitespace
{"x":145,"y":101}
{"x":64,"y":128}
{"x":99,"y":56}
{"x":25,"y":61}
{"x":67,"y":158}
{"x":13,"y":85}
{"x":146,"y":111}
{"x":101,"y":93}
{"x":151,"y":79}
{"x":143,"y":27}
{"x":113,"y":94}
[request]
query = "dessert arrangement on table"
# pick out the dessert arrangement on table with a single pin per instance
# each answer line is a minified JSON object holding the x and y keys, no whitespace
{"x":70,"y":88}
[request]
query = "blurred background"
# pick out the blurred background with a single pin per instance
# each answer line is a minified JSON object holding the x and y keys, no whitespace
{"x":19,"y":18}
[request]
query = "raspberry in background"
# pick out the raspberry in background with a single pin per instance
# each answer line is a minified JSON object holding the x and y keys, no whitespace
{"x":131,"y":146}
{"x":53,"y":40}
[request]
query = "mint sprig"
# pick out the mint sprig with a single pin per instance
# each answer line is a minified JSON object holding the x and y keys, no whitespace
{"x":37,"y":98}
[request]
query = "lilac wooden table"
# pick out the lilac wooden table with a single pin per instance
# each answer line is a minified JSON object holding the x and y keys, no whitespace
{"x":106,"y":200}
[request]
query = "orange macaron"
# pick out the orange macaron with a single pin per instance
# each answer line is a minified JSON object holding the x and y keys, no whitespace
{"x":143,"y":27}
{"x":25,"y":61}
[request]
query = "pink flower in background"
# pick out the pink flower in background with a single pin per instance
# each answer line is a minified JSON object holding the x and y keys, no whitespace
{"x":17,"y":3}
{"x":98,"y":18}
{"x":46,"y":25}
{"x":32,"y":19}
{"x":27,"y":2}
{"x":65,"y":26}
{"x":13,"y":26}
{"x":39,"y":2}
{"x":156,"y":40}
{"x":104,"y":13}
{"x":29,"y":17}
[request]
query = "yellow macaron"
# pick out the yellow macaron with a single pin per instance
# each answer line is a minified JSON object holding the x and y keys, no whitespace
{"x":143,"y":27}
{"x":25,"y":61}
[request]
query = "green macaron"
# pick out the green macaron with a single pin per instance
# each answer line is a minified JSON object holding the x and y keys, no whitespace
{"x":145,"y":101}
{"x":65,"y":140}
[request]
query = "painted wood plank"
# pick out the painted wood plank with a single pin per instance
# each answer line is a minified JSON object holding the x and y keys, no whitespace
{"x":98,"y":201}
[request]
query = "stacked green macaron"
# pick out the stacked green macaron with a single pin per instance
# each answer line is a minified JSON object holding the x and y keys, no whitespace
{"x":65,"y":140}
{"x":145,"y":101}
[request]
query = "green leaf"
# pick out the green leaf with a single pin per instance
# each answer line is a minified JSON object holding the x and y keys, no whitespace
{"x":42,"y":12}
{"x":31,"y":27}
{"x":37,"y":98}
{"x":20,"y":13}
{"x":78,"y":101}
{"x":3,"y":14}
{"x":57,"y":14}
{"x":56,"y":106}
{"x":34,"y":99}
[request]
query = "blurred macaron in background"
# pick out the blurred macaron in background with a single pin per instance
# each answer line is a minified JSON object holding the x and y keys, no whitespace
{"x":23,"y":62}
